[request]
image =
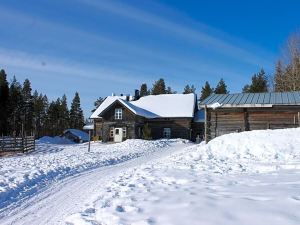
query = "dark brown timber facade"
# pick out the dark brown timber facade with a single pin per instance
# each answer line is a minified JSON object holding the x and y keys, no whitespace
{"x":245,"y":112}
{"x":118,"y":122}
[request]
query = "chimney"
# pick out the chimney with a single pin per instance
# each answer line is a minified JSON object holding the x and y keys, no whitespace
{"x":127,"y":98}
{"x":136,"y":94}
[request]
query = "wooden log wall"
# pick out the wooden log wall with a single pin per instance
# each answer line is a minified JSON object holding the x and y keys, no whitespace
{"x":228,"y":120}
{"x":180,"y":127}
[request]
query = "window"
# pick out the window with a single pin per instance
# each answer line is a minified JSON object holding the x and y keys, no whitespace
{"x":117,"y":131}
{"x":118,"y":114}
{"x":167,"y":133}
{"x":111,"y":132}
{"x":124,"y":132}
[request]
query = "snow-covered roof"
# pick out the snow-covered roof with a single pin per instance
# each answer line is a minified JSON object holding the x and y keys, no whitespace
{"x":154,"y":106}
{"x":89,"y":126}
{"x":79,"y":133}
{"x":107,"y":102}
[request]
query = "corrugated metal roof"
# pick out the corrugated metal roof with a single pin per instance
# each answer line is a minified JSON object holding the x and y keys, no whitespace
{"x":253,"y":99}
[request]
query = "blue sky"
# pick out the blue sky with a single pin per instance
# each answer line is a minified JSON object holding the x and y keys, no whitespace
{"x":99,"y":47}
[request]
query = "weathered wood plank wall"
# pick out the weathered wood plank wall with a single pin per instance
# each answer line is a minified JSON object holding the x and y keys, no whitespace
{"x":227,"y":120}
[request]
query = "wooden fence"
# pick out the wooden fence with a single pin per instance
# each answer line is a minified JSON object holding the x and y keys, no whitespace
{"x":17,"y":144}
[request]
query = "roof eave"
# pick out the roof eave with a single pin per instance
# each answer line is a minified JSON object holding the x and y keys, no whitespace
{"x":250,"y":105}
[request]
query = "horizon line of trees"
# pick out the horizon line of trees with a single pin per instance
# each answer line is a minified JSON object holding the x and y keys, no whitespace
{"x":25,"y":113}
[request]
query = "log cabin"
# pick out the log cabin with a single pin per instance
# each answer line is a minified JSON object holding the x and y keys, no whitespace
{"x":227,"y":113}
{"x":167,"y":116}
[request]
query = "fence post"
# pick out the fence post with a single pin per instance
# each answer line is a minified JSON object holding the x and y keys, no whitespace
{"x":2,"y":142}
{"x":33,"y":142}
{"x":23,"y":149}
{"x":206,"y":125}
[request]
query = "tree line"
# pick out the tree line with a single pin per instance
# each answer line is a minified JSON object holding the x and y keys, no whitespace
{"x":24,"y":113}
{"x":285,"y":78}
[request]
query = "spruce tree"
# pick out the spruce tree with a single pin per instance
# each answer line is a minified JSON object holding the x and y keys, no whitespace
{"x":159,"y":87}
{"x":64,"y":113}
{"x":27,"y":107}
{"x":40,"y":107}
{"x":221,"y":88}
{"x":76,"y":113}
{"x":4,"y":101}
{"x":206,"y":91}
{"x":189,"y":89}
{"x":97,"y":103}
{"x":279,"y":78}
{"x":170,"y":91}
{"x":144,"y":90}
{"x":259,"y":83}
{"x":53,"y":120}
{"x":15,"y":108}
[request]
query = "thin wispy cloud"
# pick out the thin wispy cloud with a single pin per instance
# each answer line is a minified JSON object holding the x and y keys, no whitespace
{"x":201,"y":38}
{"x":60,"y":67}
{"x":115,"y":49}
{"x":119,"y":46}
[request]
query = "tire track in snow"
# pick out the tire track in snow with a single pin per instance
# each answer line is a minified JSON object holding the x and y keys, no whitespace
{"x":71,"y":195}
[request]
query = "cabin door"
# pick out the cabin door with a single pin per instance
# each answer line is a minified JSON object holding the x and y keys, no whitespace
{"x":118,"y":135}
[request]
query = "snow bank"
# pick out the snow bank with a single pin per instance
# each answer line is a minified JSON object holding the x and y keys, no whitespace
{"x":241,"y":178}
{"x":244,"y":151}
{"x":25,"y":174}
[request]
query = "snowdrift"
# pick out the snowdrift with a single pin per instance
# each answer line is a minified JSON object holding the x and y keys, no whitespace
{"x":245,"y":151}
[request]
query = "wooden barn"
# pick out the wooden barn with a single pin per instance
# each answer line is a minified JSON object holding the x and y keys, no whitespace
{"x":227,"y":113}
{"x":167,"y":116}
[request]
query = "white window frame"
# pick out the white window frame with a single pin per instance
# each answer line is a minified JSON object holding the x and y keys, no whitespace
{"x":118,"y":113}
{"x":167,"y":132}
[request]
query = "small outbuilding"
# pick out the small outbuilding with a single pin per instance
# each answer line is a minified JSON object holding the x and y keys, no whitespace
{"x":77,"y":136}
{"x":227,"y":113}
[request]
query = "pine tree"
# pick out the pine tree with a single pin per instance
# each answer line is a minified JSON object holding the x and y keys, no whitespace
{"x":40,"y":107}
{"x":189,"y":89}
{"x":221,"y":88}
{"x":76,"y":113}
{"x":144,"y":90}
{"x":279,"y":77}
{"x":170,"y":91}
{"x":53,"y":118}
{"x":45,"y":116}
{"x":27,"y":107}
{"x":159,"y":87}
{"x":206,"y":91}
{"x":64,"y":114}
{"x":259,"y":83}
{"x":4,"y":101}
{"x":97,"y":103}
{"x":15,"y":108}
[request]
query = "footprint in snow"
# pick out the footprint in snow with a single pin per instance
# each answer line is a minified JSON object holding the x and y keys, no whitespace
{"x":297,"y":198}
{"x":120,"y":208}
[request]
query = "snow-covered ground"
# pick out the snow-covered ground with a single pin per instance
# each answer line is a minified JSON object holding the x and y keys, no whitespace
{"x":241,"y":178}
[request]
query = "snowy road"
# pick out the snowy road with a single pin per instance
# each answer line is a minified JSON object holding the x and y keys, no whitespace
{"x":71,"y":195}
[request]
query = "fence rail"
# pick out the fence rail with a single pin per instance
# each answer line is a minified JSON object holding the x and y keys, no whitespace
{"x":17,"y":144}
